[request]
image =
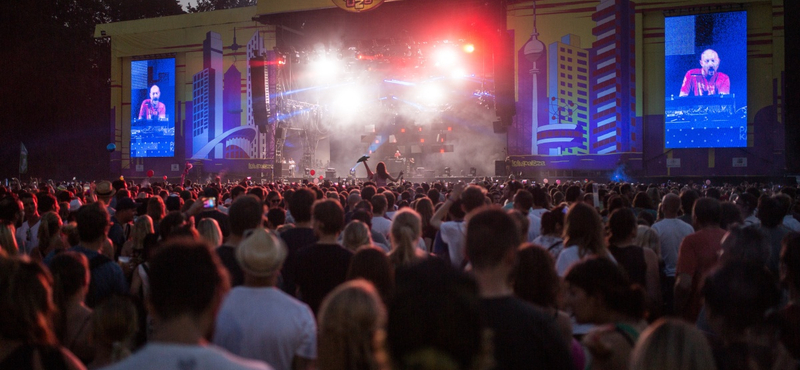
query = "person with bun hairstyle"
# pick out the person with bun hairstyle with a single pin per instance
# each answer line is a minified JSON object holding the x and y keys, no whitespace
{"x":600,"y":293}
{"x":641,"y":264}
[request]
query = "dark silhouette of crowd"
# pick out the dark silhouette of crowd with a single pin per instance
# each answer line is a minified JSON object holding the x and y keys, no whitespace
{"x":322,"y":275}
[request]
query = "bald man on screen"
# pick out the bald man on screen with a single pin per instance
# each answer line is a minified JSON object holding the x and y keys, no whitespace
{"x":706,"y":80}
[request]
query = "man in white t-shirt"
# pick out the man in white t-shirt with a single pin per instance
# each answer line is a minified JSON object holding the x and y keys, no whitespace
{"x":453,"y":232}
{"x":380,"y":224}
{"x":671,"y":231}
{"x":258,"y":320}
{"x":27,"y":234}
{"x":187,"y":284}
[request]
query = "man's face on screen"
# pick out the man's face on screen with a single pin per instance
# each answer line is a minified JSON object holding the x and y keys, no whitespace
{"x":710,"y":62}
{"x":155,"y":94}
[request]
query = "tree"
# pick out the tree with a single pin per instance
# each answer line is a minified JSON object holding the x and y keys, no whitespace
{"x":209,"y":5}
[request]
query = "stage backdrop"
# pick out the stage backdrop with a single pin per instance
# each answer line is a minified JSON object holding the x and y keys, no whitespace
{"x":591,"y":88}
{"x":589,"y":84}
{"x":222,"y":116}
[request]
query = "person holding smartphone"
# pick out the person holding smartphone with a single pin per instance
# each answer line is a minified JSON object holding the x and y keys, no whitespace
{"x":210,"y":201}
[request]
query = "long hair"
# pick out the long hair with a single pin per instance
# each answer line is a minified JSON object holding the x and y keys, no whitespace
{"x":424,"y":206}
{"x":156,"y":209}
{"x":405,"y":233}
{"x":584,"y":227}
{"x":49,"y":230}
{"x":114,"y":324}
{"x":380,"y":169}
{"x":26,"y":302}
{"x":70,"y":275}
{"x":372,"y":264}
{"x":672,"y":344}
{"x":8,"y":242}
{"x":535,"y":278}
{"x":142,"y":227}
{"x":351,"y":319}
{"x":209,"y":230}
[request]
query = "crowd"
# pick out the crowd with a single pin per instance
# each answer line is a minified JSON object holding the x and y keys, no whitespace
{"x":487,"y":275}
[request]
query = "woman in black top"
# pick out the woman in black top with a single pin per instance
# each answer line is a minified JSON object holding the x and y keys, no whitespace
{"x":641,"y":264}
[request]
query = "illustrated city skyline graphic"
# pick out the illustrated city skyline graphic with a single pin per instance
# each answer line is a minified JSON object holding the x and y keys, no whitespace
{"x":587,"y":105}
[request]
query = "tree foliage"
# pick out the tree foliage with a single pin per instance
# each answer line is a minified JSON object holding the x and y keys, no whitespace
{"x":208,"y":5}
{"x":57,"y":86}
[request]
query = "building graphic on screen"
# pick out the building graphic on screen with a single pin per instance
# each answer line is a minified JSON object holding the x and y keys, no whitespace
{"x":219,"y":131}
{"x":590,"y":104}
{"x":614,"y":126}
{"x":567,"y":131}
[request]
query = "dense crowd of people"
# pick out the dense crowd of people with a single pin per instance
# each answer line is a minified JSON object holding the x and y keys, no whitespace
{"x":486,"y":275}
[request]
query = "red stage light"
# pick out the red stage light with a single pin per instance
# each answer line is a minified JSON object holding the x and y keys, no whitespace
{"x":449,"y":128}
{"x":441,"y":150}
{"x":402,"y":130}
{"x":421,"y":140}
{"x":420,"y":129}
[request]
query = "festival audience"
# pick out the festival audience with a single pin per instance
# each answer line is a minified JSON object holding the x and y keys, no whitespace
{"x":438,"y":317}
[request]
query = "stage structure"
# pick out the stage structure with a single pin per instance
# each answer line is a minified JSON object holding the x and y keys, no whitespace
{"x":554,"y":89}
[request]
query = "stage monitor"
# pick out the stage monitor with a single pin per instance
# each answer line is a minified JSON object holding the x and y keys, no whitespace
{"x":153,"y":108}
{"x":706,"y":80}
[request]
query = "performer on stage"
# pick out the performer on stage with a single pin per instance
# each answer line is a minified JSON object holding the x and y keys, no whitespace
{"x":381,"y":175}
{"x":706,"y":80}
{"x":152,"y":108}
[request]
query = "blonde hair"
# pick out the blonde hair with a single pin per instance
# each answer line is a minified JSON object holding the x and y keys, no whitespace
{"x":49,"y":230}
{"x":355,"y":235}
{"x":351,"y":328}
{"x":8,"y":241}
{"x":672,"y":344}
{"x":404,"y":234}
{"x":646,"y":237}
{"x":209,"y":230}
{"x":142,"y":227}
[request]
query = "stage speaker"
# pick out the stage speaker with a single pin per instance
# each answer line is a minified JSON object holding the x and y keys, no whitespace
{"x":505,"y":104}
{"x":791,"y":90}
{"x":500,"y":168}
{"x":330,"y":174}
{"x":260,"y":85}
{"x":277,"y":169}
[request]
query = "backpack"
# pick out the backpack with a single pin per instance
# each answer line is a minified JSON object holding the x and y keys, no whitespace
{"x":95,"y":262}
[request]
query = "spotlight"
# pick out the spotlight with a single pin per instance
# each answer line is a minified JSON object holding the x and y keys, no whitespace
{"x":468,"y":48}
{"x":445,"y":57}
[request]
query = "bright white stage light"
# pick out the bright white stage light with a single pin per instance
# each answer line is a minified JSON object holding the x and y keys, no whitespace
{"x":445,"y":57}
{"x":351,"y":99}
{"x":431,"y":94}
{"x":459,"y":73}
{"x":325,"y":68}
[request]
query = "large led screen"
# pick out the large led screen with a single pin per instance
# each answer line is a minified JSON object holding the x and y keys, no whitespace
{"x":706,"y":80}
{"x":153,"y":108}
